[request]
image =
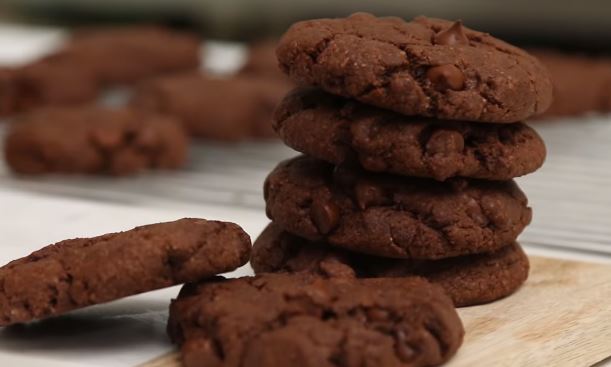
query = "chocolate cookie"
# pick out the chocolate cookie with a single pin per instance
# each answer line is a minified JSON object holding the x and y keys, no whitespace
{"x":581,"y":84}
{"x":128,"y":54}
{"x":335,"y":129}
{"x":230,"y":109}
{"x":8,"y":93}
{"x":261,"y":61}
{"x":86,"y":271}
{"x":45,"y":83}
{"x":94,"y":140}
{"x":468,"y":280}
{"x":392,"y":216}
{"x":302,"y":320}
{"x":427,"y":67}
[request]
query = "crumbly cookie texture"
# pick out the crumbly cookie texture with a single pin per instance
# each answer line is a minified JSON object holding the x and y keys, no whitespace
{"x":86,"y":271}
{"x":305,"y":320}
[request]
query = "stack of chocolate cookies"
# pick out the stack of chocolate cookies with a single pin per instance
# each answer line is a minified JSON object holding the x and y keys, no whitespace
{"x":412,"y":137}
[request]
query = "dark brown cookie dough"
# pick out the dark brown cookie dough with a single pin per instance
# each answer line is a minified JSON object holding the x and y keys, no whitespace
{"x":468,"y":280}
{"x":335,"y":129}
{"x":392,"y":216}
{"x":581,"y":84}
{"x":302,"y":320}
{"x":86,"y":271}
{"x":427,"y":67}
{"x":231,"y":109}
{"x":94,"y":140}
{"x":124,"y":55}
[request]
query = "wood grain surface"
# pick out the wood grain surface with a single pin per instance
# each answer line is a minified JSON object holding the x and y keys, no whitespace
{"x":561,"y":317}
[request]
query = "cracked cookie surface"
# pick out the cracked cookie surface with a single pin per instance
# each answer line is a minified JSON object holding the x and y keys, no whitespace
{"x":304,"y":320}
{"x":393,"y":216}
{"x":86,"y":271}
{"x":336,"y":129}
{"x":94,"y":140}
{"x":468,"y":280}
{"x":427,"y":67}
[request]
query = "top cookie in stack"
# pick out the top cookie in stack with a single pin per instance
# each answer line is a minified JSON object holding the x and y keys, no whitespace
{"x":413,"y":136}
{"x":426,"y":67}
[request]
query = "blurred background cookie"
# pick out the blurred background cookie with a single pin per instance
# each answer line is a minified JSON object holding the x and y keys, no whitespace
{"x":227,"y":109}
{"x":94,"y":140}
{"x":582,"y":84}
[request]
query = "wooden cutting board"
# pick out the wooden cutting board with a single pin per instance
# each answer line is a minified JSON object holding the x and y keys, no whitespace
{"x":560,"y":317}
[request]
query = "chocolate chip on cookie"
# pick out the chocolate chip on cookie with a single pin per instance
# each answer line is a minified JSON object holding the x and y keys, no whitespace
{"x":336,"y":130}
{"x":394,"y":216}
{"x":468,"y":280}
{"x":427,"y":67}
{"x":86,"y":271}
{"x":94,"y":140}
{"x":305,"y":320}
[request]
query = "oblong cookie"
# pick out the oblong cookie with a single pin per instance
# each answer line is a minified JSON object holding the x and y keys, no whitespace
{"x":468,"y":280}
{"x":86,"y":271}
{"x":302,"y":320}
{"x":202,"y":104}
{"x":124,"y":55}
{"x":94,"y":140}
{"x":582,"y":84}
{"x":335,"y":129}
{"x":394,"y":216}
{"x":428,"y":67}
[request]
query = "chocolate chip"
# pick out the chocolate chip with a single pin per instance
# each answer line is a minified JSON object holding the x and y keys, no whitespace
{"x":454,"y":35}
{"x":325,"y":215}
{"x":446,"y":77}
{"x":491,"y":207}
{"x":404,"y":351}
{"x":445,"y":142}
{"x":475,"y":212}
{"x":368,"y":195}
{"x":336,"y":268}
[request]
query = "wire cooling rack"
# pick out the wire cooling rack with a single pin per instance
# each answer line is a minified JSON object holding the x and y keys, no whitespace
{"x":570,"y":195}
